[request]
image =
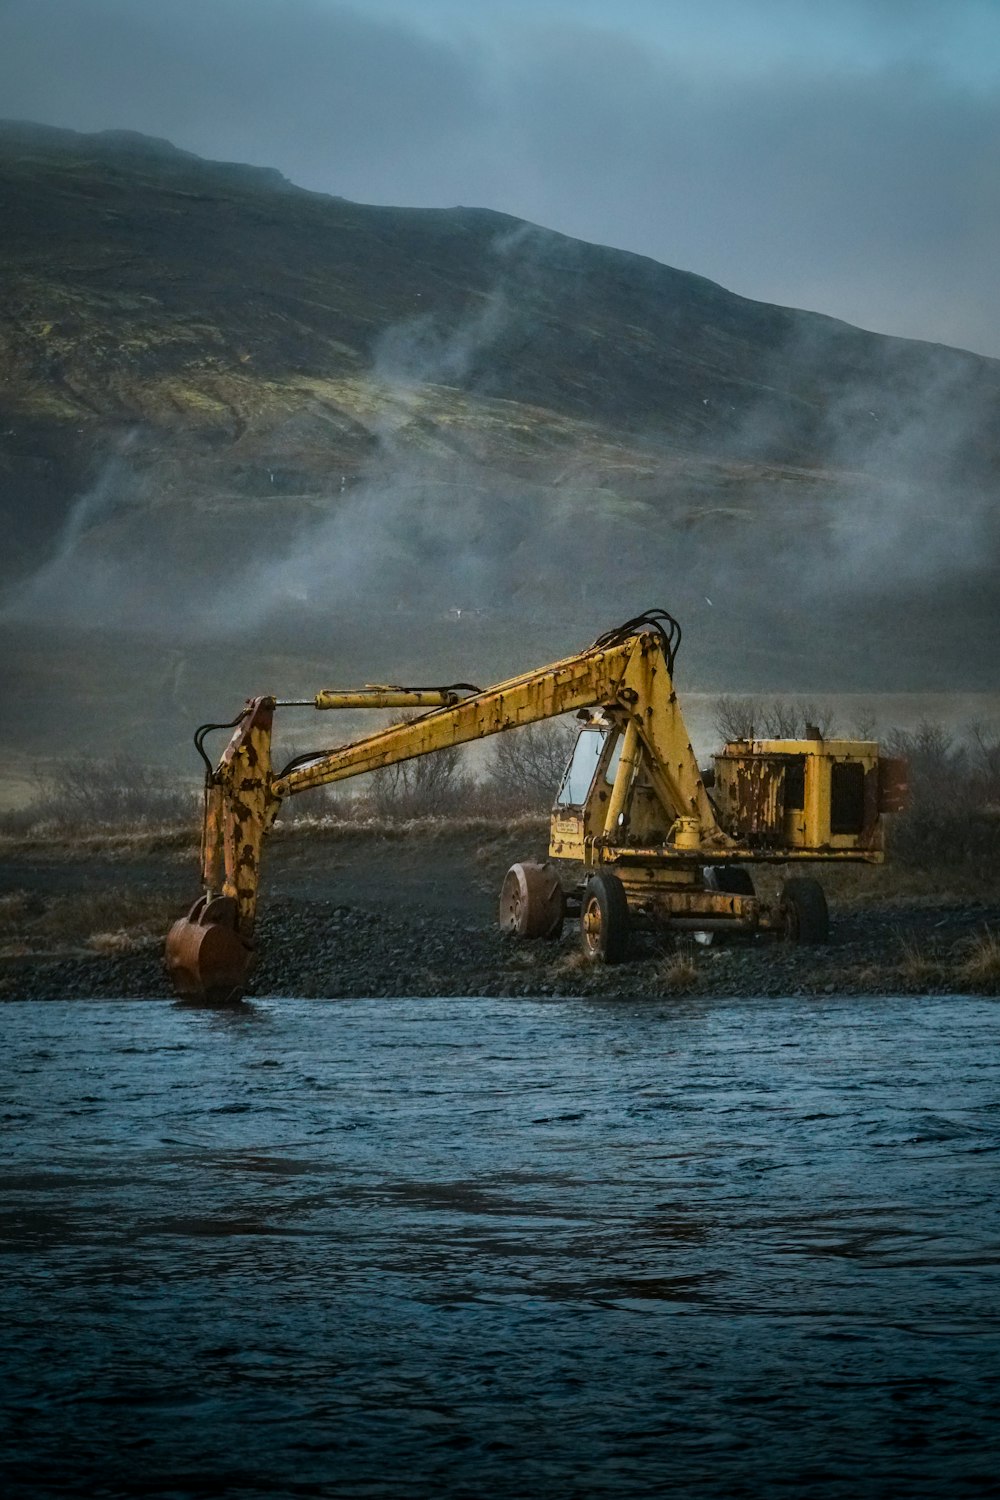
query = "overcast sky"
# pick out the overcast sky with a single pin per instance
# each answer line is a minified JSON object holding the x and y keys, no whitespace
{"x":842,"y":156}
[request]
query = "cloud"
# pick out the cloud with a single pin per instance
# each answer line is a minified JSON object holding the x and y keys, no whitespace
{"x":321,"y":91}
{"x":845,"y":165}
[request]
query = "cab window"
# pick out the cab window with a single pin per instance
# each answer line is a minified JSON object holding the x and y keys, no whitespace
{"x":580,"y":771}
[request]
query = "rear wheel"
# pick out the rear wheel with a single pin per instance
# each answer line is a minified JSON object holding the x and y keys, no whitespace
{"x":532,"y":902}
{"x":805,"y":916}
{"x":604,"y":920}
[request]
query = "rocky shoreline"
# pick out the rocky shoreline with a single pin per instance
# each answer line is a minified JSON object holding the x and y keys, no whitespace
{"x":412,"y":912}
{"x":329,"y":949}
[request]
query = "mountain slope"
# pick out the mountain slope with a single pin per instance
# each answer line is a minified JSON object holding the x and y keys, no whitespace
{"x":207,"y":302}
{"x":218,"y":388}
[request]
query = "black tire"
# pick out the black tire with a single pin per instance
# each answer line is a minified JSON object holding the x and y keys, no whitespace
{"x":805,"y":914}
{"x":604,"y":920}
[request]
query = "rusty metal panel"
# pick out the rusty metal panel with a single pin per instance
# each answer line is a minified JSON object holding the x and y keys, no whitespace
{"x":753,"y":785}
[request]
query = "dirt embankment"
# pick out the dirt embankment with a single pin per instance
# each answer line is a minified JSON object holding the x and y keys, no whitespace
{"x":411,"y":911}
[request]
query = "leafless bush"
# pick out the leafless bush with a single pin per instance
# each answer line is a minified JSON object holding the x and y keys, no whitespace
{"x":954,"y":813}
{"x":739,"y":717}
{"x":429,"y":786}
{"x":984,"y":755}
{"x":117,"y":792}
{"x":521,"y":776}
{"x":734,"y":718}
{"x":864,"y":726}
{"x":318,"y":802}
{"x":938,"y":763}
{"x":528,"y":765}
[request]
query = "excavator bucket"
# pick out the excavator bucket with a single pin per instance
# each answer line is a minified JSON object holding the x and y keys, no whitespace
{"x":206,"y":957}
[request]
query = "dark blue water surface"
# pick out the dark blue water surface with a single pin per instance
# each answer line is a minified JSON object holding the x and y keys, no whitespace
{"x":501,"y":1247}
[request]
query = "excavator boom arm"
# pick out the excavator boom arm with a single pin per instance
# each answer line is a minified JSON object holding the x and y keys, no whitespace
{"x":582,"y":681}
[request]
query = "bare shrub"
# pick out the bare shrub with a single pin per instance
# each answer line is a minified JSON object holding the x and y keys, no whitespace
{"x":984,"y":764}
{"x":119,"y":791}
{"x":953,"y":818}
{"x":864,"y":726}
{"x":812,"y":715}
{"x":740,"y":717}
{"x":937,"y":761}
{"x":735,"y":718}
{"x":317,"y":803}
{"x":428,"y":786}
{"x":528,"y":765}
{"x":779,"y":719}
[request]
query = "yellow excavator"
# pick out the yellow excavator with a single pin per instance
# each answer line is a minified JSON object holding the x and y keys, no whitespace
{"x":659,"y":841}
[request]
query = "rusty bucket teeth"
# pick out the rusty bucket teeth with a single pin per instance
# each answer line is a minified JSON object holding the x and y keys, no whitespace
{"x":205,"y":955}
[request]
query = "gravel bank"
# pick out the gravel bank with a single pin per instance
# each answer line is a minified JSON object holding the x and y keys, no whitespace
{"x":414,"y":913}
{"x":329,"y":948}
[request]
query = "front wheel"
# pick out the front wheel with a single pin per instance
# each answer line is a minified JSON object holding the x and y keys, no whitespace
{"x":604,"y":920}
{"x":532,"y":902}
{"x":805,"y":916}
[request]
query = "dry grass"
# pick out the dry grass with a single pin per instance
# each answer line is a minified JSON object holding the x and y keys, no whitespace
{"x":918,"y":967}
{"x":526,"y":956}
{"x":108,"y":922}
{"x":110,"y":943}
{"x":677,"y":975}
{"x":573,"y":962}
{"x":55,"y":843}
{"x":429,"y":828}
{"x":866,"y":977}
{"x":977,"y":968}
{"x":980,"y":969}
{"x":896,"y":883}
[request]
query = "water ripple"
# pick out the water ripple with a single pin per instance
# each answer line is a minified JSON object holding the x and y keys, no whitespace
{"x":458,"y":1247}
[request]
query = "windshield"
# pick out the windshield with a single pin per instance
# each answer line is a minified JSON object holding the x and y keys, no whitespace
{"x":580,"y":772}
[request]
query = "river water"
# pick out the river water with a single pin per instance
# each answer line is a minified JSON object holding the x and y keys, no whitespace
{"x":501,"y":1247}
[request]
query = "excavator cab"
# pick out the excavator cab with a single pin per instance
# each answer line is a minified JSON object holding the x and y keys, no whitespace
{"x":593,"y":743}
{"x":577,"y":815}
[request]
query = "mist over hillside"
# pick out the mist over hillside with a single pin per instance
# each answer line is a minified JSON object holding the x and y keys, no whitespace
{"x":254,"y":438}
